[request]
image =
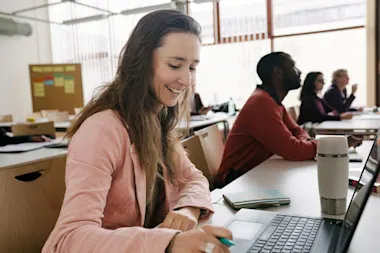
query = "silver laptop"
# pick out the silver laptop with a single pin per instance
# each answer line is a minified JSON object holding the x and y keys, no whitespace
{"x":257,"y":231}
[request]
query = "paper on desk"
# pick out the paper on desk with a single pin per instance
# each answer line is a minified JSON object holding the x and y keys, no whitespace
{"x":216,"y":196}
{"x":23,"y":147}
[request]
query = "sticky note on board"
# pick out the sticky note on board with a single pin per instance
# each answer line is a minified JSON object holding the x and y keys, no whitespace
{"x":70,"y":68}
{"x":59,"y":80}
{"x":36,"y":69}
{"x":49,"y":80}
{"x":47,"y":69}
{"x":59,"y":69}
{"x":38,"y":89}
{"x":69,"y":85}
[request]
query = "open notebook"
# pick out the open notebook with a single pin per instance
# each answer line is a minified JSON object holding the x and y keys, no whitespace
{"x":23,"y":147}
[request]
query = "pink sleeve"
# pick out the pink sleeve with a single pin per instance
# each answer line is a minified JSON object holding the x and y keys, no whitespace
{"x":194,"y":189}
{"x":94,"y":153}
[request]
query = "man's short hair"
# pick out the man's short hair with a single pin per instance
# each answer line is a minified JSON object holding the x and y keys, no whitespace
{"x":268,"y":62}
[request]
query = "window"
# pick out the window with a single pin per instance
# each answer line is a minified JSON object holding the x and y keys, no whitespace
{"x":204,"y":14}
{"x":229,"y":70}
{"x":314,"y":15}
{"x":96,"y":44}
{"x":242,"y":17}
{"x":327,"y":52}
{"x":119,"y":39}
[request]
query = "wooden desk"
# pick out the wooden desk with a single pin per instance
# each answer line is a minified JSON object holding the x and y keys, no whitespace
{"x":32,"y":189}
{"x":299,"y":181}
{"x":367,"y":116}
{"x":364,"y":127}
{"x":59,"y":126}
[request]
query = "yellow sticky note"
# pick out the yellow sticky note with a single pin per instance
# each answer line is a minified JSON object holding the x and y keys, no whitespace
{"x":59,"y":69}
{"x":39,"y":89}
{"x":48,"y":69}
{"x":59,"y":81}
{"x":36,"y":69}
{"x":69,"y":86}
{"x":70,"y":68}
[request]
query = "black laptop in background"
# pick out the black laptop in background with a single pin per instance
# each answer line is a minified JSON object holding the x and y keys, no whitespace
{"x":257,"y":231}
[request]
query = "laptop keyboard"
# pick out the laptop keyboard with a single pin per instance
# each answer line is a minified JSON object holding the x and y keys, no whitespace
{"x":288,"y":234}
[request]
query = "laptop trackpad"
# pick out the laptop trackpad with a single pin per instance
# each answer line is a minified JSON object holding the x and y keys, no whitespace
{"x":244,"y":230}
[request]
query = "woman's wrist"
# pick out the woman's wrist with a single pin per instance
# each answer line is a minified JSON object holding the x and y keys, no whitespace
{"x":170,"y":246}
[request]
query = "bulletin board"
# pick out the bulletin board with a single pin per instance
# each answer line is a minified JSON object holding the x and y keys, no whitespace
{"x":56,"y":86}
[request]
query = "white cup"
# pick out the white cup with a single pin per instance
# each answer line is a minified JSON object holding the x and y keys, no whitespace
{"x":333,"y":163}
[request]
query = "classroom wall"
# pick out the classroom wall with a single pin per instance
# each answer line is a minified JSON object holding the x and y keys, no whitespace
{"x":16,"y":52}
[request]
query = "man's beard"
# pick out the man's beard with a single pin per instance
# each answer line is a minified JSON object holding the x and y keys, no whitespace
{"x":291,"y":84}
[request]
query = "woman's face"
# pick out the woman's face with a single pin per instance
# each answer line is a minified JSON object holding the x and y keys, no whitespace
{"x":319,"y":83}
{"x":343,"y":79}
{"x":174,"y":66}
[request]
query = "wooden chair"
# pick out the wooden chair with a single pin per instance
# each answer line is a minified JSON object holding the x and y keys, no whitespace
{"x":58,"y":116}
{"x":44,"y":113}
{"x":6,"y":118}
{"x":77,"y":110}
{"x":41,"y":128}
{"x":37,"y":115}
{"x":212,"y":144}
{"x":194,"y":150}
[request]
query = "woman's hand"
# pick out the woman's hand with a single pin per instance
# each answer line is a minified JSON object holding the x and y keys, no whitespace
{"x":204,"y":110}
{"x":41,"y":138}
{"x":204,"y":239}
{"x":346,"y":115}
{"x":354,"y":141}
{"x":184,"y":219}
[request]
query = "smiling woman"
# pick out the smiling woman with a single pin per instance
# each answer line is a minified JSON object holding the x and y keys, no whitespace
{"x":174,"y":68}
{"x":129,"y":185}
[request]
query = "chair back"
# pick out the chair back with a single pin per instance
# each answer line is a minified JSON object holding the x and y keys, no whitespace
{"x":6,"y":118}
{"x":58,"y":116}
{"x":212,"y":143}
{"x":40,"y":128}
{"x":77,"y":110}
{"x":194,"y":150}
{"x":44,"y":113}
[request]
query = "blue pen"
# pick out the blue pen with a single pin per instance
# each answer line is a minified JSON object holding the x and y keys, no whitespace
{"x":226,"y":242}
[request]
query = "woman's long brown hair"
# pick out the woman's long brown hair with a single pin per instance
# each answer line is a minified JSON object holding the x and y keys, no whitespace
{"x":150,"y":125}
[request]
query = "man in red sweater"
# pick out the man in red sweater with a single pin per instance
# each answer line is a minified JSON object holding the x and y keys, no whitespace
{"x":263,"y":127}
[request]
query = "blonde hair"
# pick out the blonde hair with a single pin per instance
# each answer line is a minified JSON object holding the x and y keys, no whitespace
{"x":338,"y":73}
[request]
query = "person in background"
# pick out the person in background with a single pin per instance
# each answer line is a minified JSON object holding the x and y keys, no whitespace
{"x":129,"y":185}
{"x":196,"y":105}
{"x":6,"y":139}
{"x":336,"y":95}
{"x":313,"y":108}
{"x":263,"y":127}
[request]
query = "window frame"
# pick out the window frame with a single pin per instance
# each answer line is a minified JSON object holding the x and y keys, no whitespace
{"x":258,"y":36}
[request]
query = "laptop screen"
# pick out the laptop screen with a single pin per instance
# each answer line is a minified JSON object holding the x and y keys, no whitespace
{"x":368,"y":177}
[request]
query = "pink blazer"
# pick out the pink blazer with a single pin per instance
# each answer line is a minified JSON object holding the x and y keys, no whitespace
{"x":105,"y":200}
